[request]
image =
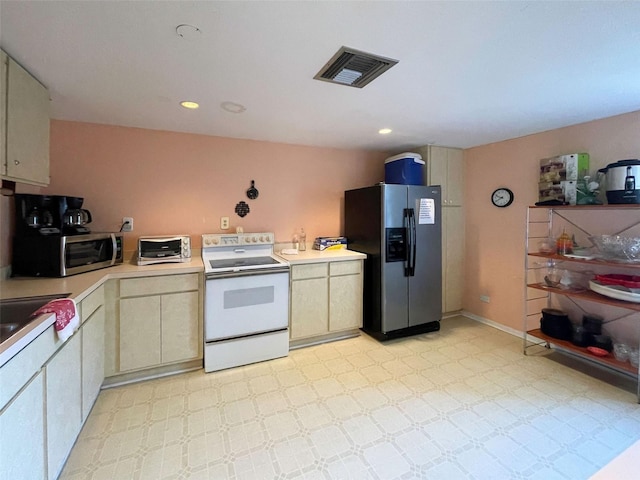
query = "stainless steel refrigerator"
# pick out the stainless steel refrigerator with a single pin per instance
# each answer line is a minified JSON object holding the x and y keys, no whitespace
{"x":399,"y":228}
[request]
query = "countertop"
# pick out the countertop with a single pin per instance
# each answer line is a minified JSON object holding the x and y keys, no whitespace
{"x":77,"y":287}
{"x":317,"y":256}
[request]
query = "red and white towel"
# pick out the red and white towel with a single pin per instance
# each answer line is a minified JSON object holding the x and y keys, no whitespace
{"x":67,"y":318}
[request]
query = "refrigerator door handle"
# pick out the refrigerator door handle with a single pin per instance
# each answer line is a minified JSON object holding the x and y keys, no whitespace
{"x":414,"y":237}
{"x":406,"y":220}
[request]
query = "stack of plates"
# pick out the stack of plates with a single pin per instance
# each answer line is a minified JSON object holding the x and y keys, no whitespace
{"x":618,"y":292}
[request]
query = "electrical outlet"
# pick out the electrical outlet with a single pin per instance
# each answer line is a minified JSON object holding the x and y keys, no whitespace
{"x":485,"y":298}
{"x":224,"y":223}
{"x":127,"y":224}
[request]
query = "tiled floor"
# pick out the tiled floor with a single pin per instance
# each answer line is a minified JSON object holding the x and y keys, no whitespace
{"x":460,"y":403}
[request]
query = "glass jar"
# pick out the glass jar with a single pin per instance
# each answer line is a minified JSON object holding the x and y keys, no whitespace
{"x":564,"y":244}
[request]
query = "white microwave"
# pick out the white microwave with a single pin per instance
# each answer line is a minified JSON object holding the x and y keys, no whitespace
{"x":164,"y":249}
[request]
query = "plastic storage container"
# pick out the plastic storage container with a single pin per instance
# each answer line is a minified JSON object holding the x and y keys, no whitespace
{"x":405,"y":169}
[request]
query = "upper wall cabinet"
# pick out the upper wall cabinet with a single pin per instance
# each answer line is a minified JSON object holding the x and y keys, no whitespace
{"x":24,"y":125}
{"x":445,"y":167}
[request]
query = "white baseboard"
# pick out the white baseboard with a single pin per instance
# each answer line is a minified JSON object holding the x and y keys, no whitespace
{"x":491,"y":323}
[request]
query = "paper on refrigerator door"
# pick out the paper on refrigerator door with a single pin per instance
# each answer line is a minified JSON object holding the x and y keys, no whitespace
{"x":427,"y":211}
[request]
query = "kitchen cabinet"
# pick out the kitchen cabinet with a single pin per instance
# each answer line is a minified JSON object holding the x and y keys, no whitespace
{"x":22,"y":438}
{"x":621,"y":318}
{"x":92,"y":359}
{"x":452,"y":258}
{"x":25,"y":126}
{"x":92,"y":313}
{"x":160,"y":321}
{"x":63,"y":388}
{"x":445,"y":167}
{"x":345,"y":295}
{"x":309,"y":300}
{"x":326,"y":299}
{"x":3,"y":113}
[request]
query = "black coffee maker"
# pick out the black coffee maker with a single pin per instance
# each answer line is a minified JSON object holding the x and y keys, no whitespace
{"x":74,"y":217}
{"x":50,"y":215}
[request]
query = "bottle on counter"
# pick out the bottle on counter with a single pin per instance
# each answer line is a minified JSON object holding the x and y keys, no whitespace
{"x":302,"y":238}
{"x":295,"y":241}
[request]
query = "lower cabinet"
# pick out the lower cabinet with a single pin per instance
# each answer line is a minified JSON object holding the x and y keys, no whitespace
{"x":159,"y":321}
{"x":63,"y":388}
{"x":326,"y":298}
{"x":22,"y":443}
{"x":92,"y":359}
{"x":452,"y":258}
{"x":139,"y":332}
{"x":180,"y":331}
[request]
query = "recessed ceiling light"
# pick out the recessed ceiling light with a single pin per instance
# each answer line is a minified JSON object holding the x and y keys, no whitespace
{"x":384,"y":131}
{"x":233,"y":107}
{"x":190,"y":105}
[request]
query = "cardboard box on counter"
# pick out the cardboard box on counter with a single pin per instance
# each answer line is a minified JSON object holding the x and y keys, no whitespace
{"x":330,"y":243}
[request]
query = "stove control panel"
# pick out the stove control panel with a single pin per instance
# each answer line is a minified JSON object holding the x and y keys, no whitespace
{"x":229,"y":240}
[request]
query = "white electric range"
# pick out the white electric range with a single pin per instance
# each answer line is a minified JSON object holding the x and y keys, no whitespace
{"x":246,"y":303}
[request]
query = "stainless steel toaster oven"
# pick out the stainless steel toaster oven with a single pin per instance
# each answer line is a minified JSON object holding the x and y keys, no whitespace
{"x":163,"y":249}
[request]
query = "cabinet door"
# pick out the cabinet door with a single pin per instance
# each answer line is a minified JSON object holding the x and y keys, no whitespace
{"x":452,"y":258}
{"x":63,"y":404}
{"x":92,"y":359}
{"x":180,"y":327}
{"x":3,"y":113}
{"x":139,"y":332}
{"x":27,"y":127}
{"x":22,"y":434}
{"x":345,"y":305}
{"x":437,"y":168}
{"x":446,"y":168}
{"x":455,"y":177}
{"x":309,"y":307}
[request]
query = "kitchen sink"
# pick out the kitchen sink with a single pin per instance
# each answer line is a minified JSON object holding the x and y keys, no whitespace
{"x":15,"y":313}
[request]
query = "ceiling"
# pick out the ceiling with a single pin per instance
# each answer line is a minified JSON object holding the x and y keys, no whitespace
{"x":469,"y":73}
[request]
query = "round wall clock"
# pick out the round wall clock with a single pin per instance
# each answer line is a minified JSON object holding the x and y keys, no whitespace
{"x":502,"y":197}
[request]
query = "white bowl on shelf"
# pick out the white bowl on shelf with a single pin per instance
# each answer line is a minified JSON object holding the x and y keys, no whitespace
{"x":615,"y":291}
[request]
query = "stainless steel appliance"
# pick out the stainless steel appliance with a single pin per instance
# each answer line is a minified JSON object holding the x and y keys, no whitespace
{"x":246,"y":304}
{"x":51,"y":238}
{"x":163,"y":249}
{"x":622,"y":181}
{"x":64,"y":255}
{"x":399,"y":228}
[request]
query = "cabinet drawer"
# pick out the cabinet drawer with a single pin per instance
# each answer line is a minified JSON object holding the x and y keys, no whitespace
{"x":345,"y":268}
{"x":92,"y":302}
{"x":311,"y":270}
{"x":132,"y":287}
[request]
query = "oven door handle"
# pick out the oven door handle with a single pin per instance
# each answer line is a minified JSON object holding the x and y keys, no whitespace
{"x":247,"y":273}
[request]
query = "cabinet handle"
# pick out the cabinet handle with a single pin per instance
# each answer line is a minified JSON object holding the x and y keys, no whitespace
{"x":16,"y":162}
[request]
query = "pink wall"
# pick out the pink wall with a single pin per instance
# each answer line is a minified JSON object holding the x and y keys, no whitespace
{"x":495,"y":236}
{"x":177,"y":183}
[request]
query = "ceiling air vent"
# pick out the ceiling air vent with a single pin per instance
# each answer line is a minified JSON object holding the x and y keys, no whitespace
{"x":354,"y":68}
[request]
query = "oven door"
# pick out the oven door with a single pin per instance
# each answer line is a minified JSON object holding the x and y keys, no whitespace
{"x":245,"y":304}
